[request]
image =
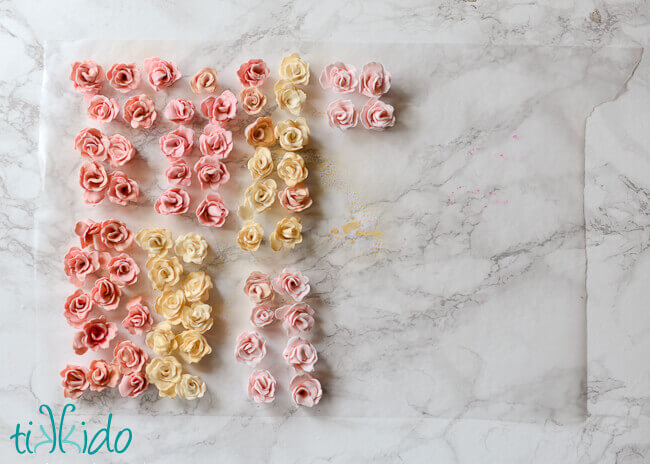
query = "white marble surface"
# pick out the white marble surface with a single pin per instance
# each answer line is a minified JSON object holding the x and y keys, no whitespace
{"x":615,"y":425}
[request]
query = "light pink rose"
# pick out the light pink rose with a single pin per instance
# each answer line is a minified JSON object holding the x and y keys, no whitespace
{"x":252,"y":100}
{"x":79,"y":264}
{"x":173,"y":201}
{"x":87,"y":77}
{"x":262,"y":315}
{"x":133,"y":384}
{"x":129,"y":357}
{"x":103,"y":109}
{"x":342,"y":114}
{"x":250,"y":349}
{"x":377,"y":115}
{"x":180,"y":111}
{"x":220,"y":109}
{"x":215,"y":141}
{"x":296,"y":198}
{"x":300,"y":354}
{"x":106,"y":294}
{"x":212,"y":211}
{"x":258,"y":287}
{"x":305,"y":390}
{"x":261,"y":386}
{"x":140,"y":111}
{"x":93,"y":179}
{"x":115,"y":235}
{"x":122,"y":189}
{"x":161,"y":73}
{"x":120,"y":151}
{"x":101,"y":375}
{"x":178,"y":173}
{"x":123,"y":270}
{"x":124,"y":77}
{"x":92,"y":144}
{"x":74,"y":381}
{"x":212,"y":173}
{"x":139,"y":319}
{"x":88,"y":232}
{"x":77,"y":308}
{"x":253,"y":73}
{"x":177,"y":143}
{"x":97,"y":333}
{"x":340,"y":77}
{"x":292,"y":284}
{"x":374,"y":80}
{"x":298,"y":317}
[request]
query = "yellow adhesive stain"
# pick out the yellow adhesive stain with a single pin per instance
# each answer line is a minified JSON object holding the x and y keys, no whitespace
{"x":350,"y":226}
{"x":369,"y":233}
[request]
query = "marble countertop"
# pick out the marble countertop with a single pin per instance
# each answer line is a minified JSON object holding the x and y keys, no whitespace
{"x":609,"y":420}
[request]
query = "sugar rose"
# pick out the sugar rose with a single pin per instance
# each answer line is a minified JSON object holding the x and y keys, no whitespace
{"x":197,"y":317}
{"x":292,"y":284}
{"x":258,"y":287}
{"x":204,"y":81}
{"x":339,"y":77}
{"x":87,"y":77}
{"x":88,"y":233}
{"x":196,"y":286}
{"x":216,"y":141}
{"x":103,"y":109}
{"x":253,"y":73}
{"x":177,"y":143}
{"x":170,"y":304}
{"x":374,"y":80}
{"x":133,"y":384}
{"x":162,"y":339}
{"x":192,"y":346}
{"x":155,"y":241}
{"x":114,"y":235}
{"x":296,"y":318}
{"x":292,"y":135}
{"x":165,"y":373}
{"x":260,"y":133}
{"x":161,"y":73}
{"x":261,"y":386}
{"x":287,"y":234}
{"x":102,"y":375}
{"x":252,"y":100}
{"x":190,"y":387}
{"x":220,"y":109}
{"x":261,"y":195}
{"x":79,"y":264}
{"x":77,"y":308}
{"x":122,"y":190}
{"x":97,"y":333}
{"x":294,"y":69}
{"x":129,"y":357}
{"x":74,"y":380}
{"x":164,"y":273}
{"x":92,"y":144}
{"x":124,"y":77}
{"x":138,"y":319}
{"x":173,"y":201}
{"x":212,"y":211}
{"x":296,"y":198}
{"x":192,"y":248}
{"x":377,"y":115}
{"x":139,"y":111}
{"x":289,"y":97}
{"x":261,"y":163}
{"x":250,"y":348}
{"x":342,"y":114}
{"x":123,"y":270}
{"x":262,"y":315}
{"x":212,"y":172}
{"x":93,"y":179}
{"x":120,"y":151}
{"x":179,"y":173}
{"x":180,"y":111}
{"x":106,"y":294}
{"x":291,"y":169}
{"x":250,"y":236}
{"x":300,"y":354}
{"x":305,"y":390}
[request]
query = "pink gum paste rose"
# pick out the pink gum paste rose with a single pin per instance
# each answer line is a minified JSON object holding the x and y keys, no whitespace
{"x":215,"y":141}
{"x":178,"y":173}
{"x":106,"y":294}
{"x":87,"y":77}
{"x":97,"y":333}
{"x":258,"y":287}
{"x":79,"y":264}
{"x":74,"y":380}
{"x":261,"y":386}
{"x":102,"y":109}
{"x":300,"y":354}
{"x":124,"y":77}
{"x":292,"y":284}
{"x":93,"y":179}
{"x":305,"y":390}
{"x":342,"y":114}
{"x":250,"y":348}
{"x":77,"y":308}
{"x":296,"y":198}
{"x":122,"y":189}
{"x":252,"y":100}
{"x":298,"y":317}
{"x":138,"y":320}
{"x":123,"y":270}
{"x":220,"y":109}
{"x":262,"y":315}
{"x":88,"y":233}
{"x":140,"y":111}
{"x":374,"y":80}
{"x":115,"y":235}
{"x":129,"y":357}
{"x":102,"y":375}
{"x":177,"y":143}
{"x":92,"y":144}
{"x":179,"y":111}
{"x":339,"y":77}
{"x":253,"y":73}
{"x":212,"y":173}
{"x":173,"y":201}
{"x":133,"y":384}
{"x":212,"y":211}
{"x":377,"y":115}
{"x":120,"y":151}
{"x":161,"y":73}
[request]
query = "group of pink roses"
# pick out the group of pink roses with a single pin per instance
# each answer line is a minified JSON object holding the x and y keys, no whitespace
{"x":297,"y":318}
{"x":103,"y":246}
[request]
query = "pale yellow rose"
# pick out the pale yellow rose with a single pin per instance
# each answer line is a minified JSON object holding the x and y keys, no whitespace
{"x":261,"y":195}
{"x":289,"y":97}
{"x":250,"y":236}
{"x":192,"y":248}
{"x":192,"y":346}
{"x":294,"y":69}
{"x":287,"y":234}
{"x":292,"y":135}
{"x":169,"y":304}
{"x":165,"y":373}
{"x":164,"y":273}
{"x":155,"y":241}
{"x":291,"y":169}
{"x":261,"y":163}
{"x":161,"y":339}
{"x":196,"y":286}
{"x":190,"y":387}
{"x":197,"y":317}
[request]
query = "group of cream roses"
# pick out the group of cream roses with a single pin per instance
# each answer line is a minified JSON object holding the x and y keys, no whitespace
{"x":184,"y":306}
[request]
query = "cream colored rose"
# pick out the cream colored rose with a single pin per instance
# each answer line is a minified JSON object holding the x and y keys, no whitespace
{"x":164,"y":273}
{"x":161,"y":339}
{"x":196,"y":286}
{"x":287,"y":233}
{"x":250,"y":236}
{"x":261,"y":163}
{"x":190,"y":387}
{"x":192,"y":248}
{"x":294,"y":69}
{"x":197,"y":317}
{"x":205,"y":81}
{"x":169,"y":304}
{"x":289,"y":97}
{"x":261,"y":195}
{"x":292,"y":135}
{"x":192,"y":346}
{"x":165,"y":373}
{"x":155,"y":241}
{"x":291,"y":169}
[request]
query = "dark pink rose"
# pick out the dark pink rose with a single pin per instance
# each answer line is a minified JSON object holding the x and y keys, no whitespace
{"x":250,"y":348}
{"x":342,"y":114}
{"x":129,"y":357}
{"x":74,"y":381}
{"x":92,"y":144}
{"x":115,"y":235}
{"x":212,"y":173}
{"x":97,"y":333}
{"x":123,"y":270}
{"x":212,"y":211}
{"x":293,"y":284}
{"x":296,"y":198}
{"x":140,"y":111}
{"x":305,"y":390}
{"x":374,"y":80}
{"x":106,"y":294}
{"x":339,"y":77}
{"x":180,"y":111}
{"x":298,"y":317}
{"x":258,"y":287}
{"x":377,"y":115}
{"x":262,"y":315}
{"x":261,"y":386}
{"x":122,"y":189}
{"x":177,"y":143}
{"x":138,"y":319}
{"x":253,"y":73}
{"x":87,"y":77}
{"x":161,"y":73}
{"x":178,"y":173}
{"x":88,"y":232}
{"x":102,"y":374}
{"x":133,"y":384}
{"x":215,"y":141}
{"x":77,"y":307}
{"x":300,"y":354}
{"x":220,"y":109}
{"x":79,"y":264}
{"x":93,"y":179}
{"x":78,"y":344}
{"x":120,"y":151}
{"x":173,"y":201}
{"x":124,"y":77}
{"x":103,"y":109}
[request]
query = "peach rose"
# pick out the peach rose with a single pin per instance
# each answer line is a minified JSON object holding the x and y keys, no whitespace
{"x":101,"y":375}
{"x":124,"y":77}
{"x":339,"y":77}
{"x":262,"y":315}
{"x":123,"y":270}
{"x":250,"y":349}
{"x":300,"y":354}
{"x":298,"y":317}
{"x":161,"y":73}
{"x":129,"y":357}
{"x":77,"y":308}
{"x":179,"y":111}
{"x":93,"y":179}
{"x":173,"y":201}
{"x":287,"y":234}
{"x":258,"y":287}
{"x":212,"y":211}
{"x":133,"y":384}
{"x":211,"y":172}
{"x":220,"y":109}
{"x":92,"y":144}
{"x":106,"y":294}
{"x":342,"y":114}
{"x":305,"y":390}
{"x":377,"y":115}
{"x":74,"y":381}
{"x":177,"y":143}
{"x":138,"y":319}
{"x":374,"y":80}
{"x":97,"y":333}
{"x":103,"y":109}
{"x":253,"y":73}
{"x":139,"y":111}
{"x":88,"y":232}
{"x":261,"y":386}
{"x":260,"y":133}
{"x":296,"y":198}
{"x":178,"y":173}
{"x":79,"y":264}
{"x":293,"y":284}
{"x":252,"y":100}
{"x":204,"y":81}
{"x":87,"y":77}
{"x":120,"y":151}
{"x":215,"y":141}
{"x":122,"y":189}
{"x":115,"y":235}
